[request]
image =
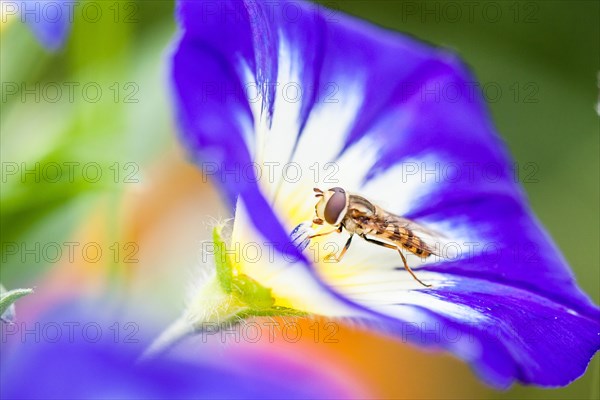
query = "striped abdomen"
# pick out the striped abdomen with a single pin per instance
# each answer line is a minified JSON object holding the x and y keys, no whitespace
{"x":406,"y":238}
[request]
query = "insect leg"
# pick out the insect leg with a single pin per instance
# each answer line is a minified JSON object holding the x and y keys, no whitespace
{"x":406,"y":267}
{"x":389,"y":246}
{"x":346,"y":246}
{"x":326,"y":233}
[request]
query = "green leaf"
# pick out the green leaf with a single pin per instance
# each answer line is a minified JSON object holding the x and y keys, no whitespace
{"x":7,"y":298}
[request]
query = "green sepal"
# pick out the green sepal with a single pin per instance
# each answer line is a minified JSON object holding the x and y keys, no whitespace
{"x":226,"y":299}
{"x":275,"y":311}
{"x":222,"y":261}
{"x":252,"y":293}
{"x":255,"y":299}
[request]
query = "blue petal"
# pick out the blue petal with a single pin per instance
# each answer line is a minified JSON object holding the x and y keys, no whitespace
{"x":506,"y":333}
{"x":520,"y":253}
{"x":50,"y":21}
{"x":405,"y":115}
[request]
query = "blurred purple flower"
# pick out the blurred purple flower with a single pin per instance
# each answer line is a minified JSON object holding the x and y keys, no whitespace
{"x":261,"y":85}
{"x":49,"y":20}
{"x":78,"y":352}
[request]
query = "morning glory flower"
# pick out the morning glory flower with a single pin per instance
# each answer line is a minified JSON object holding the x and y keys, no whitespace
{"x":49,"y":20}
{"x":73,"y":353}
{"x":263,"y":90}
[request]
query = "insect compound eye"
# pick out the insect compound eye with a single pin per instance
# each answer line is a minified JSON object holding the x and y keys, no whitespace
{"x":335,"y":205}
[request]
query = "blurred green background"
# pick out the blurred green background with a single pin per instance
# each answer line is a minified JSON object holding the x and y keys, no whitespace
{"x":543,"y":56}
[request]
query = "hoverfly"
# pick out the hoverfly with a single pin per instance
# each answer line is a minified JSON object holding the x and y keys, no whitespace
{"x":359,"y":216}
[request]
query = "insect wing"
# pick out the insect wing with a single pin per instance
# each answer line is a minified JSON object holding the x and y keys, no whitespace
{"x":421,"y":240}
